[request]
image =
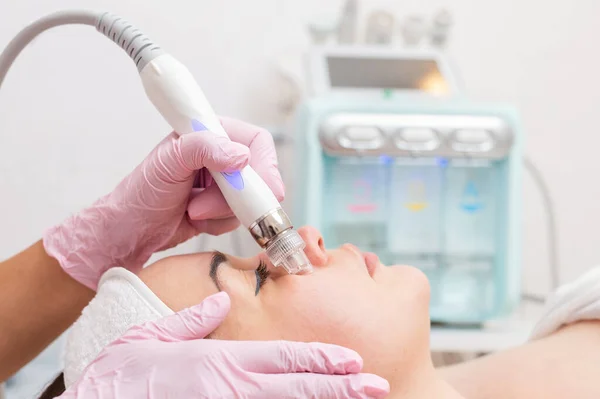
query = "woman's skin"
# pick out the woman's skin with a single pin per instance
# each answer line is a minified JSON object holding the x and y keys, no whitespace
{"x":38,"y":302}
{"x":563,"y":365}
{"x":350,"y":300}
{"x":382,"y":313}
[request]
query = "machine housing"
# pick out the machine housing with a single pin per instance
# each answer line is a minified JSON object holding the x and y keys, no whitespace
{"x":428,"y":180}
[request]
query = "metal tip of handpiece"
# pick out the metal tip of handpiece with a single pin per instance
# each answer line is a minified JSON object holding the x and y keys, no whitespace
{"x":306,"y":268}
{"x":297,"y":263}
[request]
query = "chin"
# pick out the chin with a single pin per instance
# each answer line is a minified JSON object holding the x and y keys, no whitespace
{"x":407,"y":280}
{"x":407,"y":292}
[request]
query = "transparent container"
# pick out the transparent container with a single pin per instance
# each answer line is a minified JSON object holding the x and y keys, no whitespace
{"x":470,"y":213}
{"x":355,"y":204}
{"x":446,"y":218}
{"x":415,"y":209}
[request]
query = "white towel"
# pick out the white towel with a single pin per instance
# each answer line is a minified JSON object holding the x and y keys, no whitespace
{"x":122,"y":301}
{"x":576,"y":301}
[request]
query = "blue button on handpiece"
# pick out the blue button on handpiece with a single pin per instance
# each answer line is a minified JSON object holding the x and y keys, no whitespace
{"x":234,"y":178}
{"x":198,"y":126}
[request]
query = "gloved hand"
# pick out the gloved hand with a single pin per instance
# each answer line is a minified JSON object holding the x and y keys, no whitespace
{"x":169,"y":358}
{"x":146,"y":213}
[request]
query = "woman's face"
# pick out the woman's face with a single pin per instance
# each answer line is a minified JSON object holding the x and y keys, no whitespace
{"x":350,"y":300}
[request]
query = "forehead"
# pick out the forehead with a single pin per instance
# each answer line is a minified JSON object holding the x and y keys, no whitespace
{"x":180,"y":281}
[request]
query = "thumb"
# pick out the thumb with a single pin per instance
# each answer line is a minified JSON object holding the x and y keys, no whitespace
{"x":208,"y":150}
{"x":195,"y":322}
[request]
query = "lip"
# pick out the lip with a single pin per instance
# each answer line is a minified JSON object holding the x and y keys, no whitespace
{"x":371,"y":260}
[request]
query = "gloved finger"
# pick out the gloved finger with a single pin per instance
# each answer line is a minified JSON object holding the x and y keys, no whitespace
{"x":208,"y":204}
{"x":206,"y":149}
{"x":318,"y":386}
{"x":203,"y":179}
{"x":263,"y":157}
{"x":274,"y":357}
{"x":195,"y":322}
{"x":216,"y":227}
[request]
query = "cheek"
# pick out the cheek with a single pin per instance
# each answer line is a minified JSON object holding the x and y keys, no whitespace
{"x":357,"y":314}
{"x":386,"y":321}
{"x":324,"y":310}
{"x":246,"y":321}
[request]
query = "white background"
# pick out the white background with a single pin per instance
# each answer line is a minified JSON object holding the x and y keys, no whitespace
{"x":74,"y":118}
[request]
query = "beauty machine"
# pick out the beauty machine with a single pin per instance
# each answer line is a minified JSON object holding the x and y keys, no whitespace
{"x":174,"y":92}
{"x":392,"y":158}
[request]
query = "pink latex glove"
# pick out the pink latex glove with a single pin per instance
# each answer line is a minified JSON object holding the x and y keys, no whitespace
{"x":169,"y":358}
{"x":155,"y":207}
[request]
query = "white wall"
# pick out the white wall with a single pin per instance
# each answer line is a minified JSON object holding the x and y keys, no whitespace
{"x":74,"y":119}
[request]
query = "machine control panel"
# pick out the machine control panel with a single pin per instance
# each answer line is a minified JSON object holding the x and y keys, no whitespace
{"x":472,"y":140}
{"x":416,"y":139}
{"x":361,"y":137}
{"x":427,"y":135}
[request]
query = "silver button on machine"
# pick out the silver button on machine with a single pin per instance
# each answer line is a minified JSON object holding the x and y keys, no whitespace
{"x":417,"y":139}
{"x":361,"y":137}
{"x":472,"y":140}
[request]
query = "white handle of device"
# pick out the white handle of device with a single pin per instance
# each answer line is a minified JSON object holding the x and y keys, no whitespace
{"x":175,"y":93}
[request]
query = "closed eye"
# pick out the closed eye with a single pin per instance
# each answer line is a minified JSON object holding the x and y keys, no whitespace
{"x":262,"y":273}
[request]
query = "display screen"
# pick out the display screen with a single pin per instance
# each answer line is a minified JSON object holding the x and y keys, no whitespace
{"x":385,"y":73}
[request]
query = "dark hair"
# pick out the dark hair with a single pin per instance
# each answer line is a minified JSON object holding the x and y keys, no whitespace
{"x":56,"y":388}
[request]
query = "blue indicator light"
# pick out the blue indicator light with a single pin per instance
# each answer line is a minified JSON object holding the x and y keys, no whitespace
{"x":386,"y":159}
{"x":442,"y":162}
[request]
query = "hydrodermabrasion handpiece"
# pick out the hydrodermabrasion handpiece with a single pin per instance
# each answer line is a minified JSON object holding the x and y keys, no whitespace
{"x":174,"y":92}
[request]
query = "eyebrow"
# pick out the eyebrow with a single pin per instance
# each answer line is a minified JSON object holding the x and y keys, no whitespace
{"x":215,"y":262}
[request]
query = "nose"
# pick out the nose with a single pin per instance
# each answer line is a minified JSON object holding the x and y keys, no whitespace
{"x":315,"y":248}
